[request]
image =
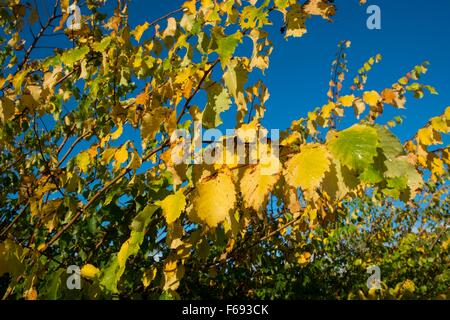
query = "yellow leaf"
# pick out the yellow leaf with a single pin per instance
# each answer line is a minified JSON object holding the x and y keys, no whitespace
{"x":173,"y":205}
{"x":83,"y":160}
{"x":190,"y":6}
{"x":408,"y":285}
{"x":425,"y":136}
{"x":304,"y":258}
{"x":7,"y":109}
{"x":140,"y":30}
{"x":117,"y":133}
{"x":18,"y":79}
{"x":447,"y":113}
{"x":31,"y":294}
{"x":107,"y":155}
{"x":255,"y":186}
{"x":123,"y":254}
{"x":307,"y":168}
{"x":312,"y":215}
{"x":213,"y":199}
{"x":445,"y":244}
{"x":440,"y":124}
{"x":11,"y":257}
{"x":388,"y":96}
{"x":121,"y":155}
{"x":347,"y":101}
{"x":327,"y":110}
{"x":320,"y":8}
{"x":135,"y":162}
{"x":142,"y":98}
{"x":64,"y":5}
{"x":151,"y":122}
{"x":89,"y":271}
{"x":391,"y":123}
{"x":371,"y":98}
{"x":173,"y":272}
{"x":171,"y":28}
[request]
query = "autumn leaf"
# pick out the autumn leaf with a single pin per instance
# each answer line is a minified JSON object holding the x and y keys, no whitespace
{"x":71,"y":56}
{"x":102,"y":45}
{"x":402,"y":168}
{"x":171,"y":28}
{"x":111,"y":274}
{"x":190,"y":6}
{"x":7,"y":109}
{"x":213,"y":199}
{"x":355,"y":147}
{"x":307,"y":168}
{"x":148,"y":277}
{"x":121,"y":155}
{"x":173,"y":205}
{"x":93,"y":175}
{"x":173,"y":272}
{"x":11,"y":256}
{"x":304,"y":258}
{"x":226,"y":46}
{"x":218,"y":102}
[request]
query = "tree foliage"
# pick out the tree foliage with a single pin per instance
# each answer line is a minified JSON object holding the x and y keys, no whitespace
{"x":80,"y":188}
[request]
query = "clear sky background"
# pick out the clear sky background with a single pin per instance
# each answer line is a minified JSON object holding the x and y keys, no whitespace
{"x":412,"y":31}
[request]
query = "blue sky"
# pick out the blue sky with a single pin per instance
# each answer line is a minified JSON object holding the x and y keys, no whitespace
{"x":412,"y":31}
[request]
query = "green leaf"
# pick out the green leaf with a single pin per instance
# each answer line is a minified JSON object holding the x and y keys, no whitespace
{"x":101,"y":46}
{"x":281,"y":4}
{"x":235,"y":78}
{"x":226,"y":46}
{"x":54,"y":284}
{"x":83,"y":160}
{"x":395,"y":186}
{"x":73,"y":55}
{"x":307,"y":168}
{"x":390,"y":148}
{"x":295,"y":21}
{"x":355,"y":147}
{"x":110,"y":275}
{"x":371,"y":175}
{"x":389,"y":143}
